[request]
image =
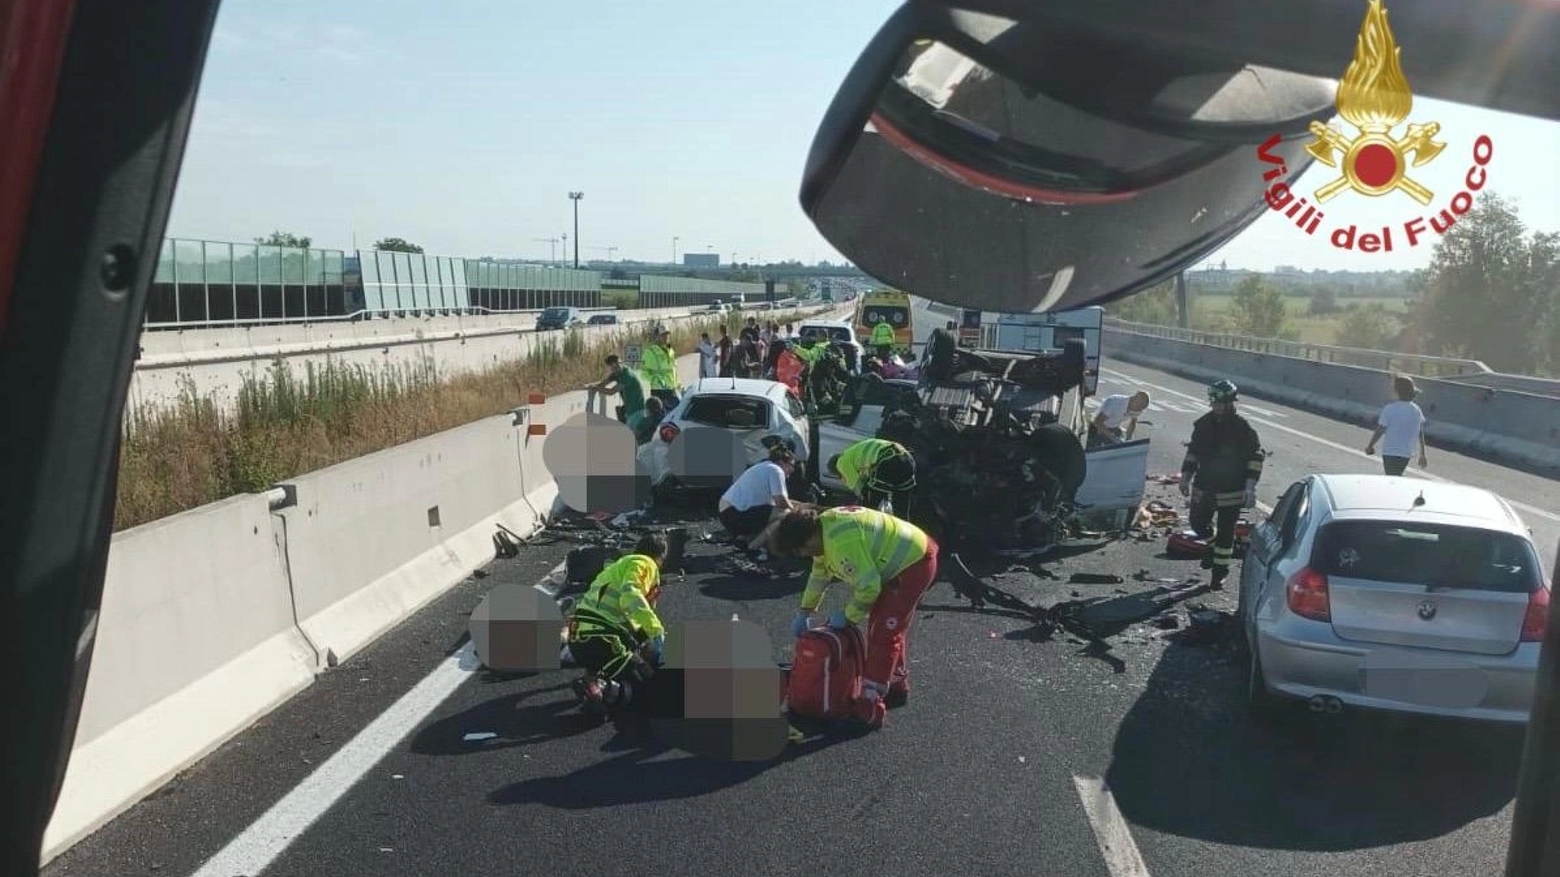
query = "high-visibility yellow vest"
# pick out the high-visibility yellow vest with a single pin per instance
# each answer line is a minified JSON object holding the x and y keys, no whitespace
{"x":862,"y":548}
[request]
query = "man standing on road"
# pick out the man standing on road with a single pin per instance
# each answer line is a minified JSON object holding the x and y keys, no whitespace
{"x":660,"y":367}
{"x":888,"y":564}
{"x":614,"y":631}
{"x":1116,"y":419}
{"x":1220,"y":472}
{"x":883,"y":339}
{"x":878,"y":471}
{"x":1403,"y":424}
{"x":622,"y":380}
{"x":707,"y":365}
{"x":723,"y":353}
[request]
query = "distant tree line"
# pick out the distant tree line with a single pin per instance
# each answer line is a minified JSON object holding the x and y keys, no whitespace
{"x":1491,"y":293}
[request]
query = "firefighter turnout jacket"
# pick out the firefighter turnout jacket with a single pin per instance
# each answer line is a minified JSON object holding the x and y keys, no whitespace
{"x":1224,"y":454}
{"x":862,"y":548}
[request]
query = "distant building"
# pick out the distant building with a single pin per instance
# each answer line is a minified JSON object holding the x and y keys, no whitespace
{"x":701,"y":260}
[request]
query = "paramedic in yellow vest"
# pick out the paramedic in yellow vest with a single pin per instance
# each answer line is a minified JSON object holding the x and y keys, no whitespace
{"x":810,"y":351}
{"x":883,"y":339}
{"x":614,"y":631}
{"x":888,"y":565}
{"x":659,"y":367}
{"x":877,"y":470}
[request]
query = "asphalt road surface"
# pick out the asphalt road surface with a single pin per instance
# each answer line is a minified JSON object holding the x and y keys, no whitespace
{"x":1020,"y":753}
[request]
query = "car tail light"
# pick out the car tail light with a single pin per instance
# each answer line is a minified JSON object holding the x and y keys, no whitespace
{"x":1307,"y":592}
{"x":1536,"y":620}
{"x":669,"y":431}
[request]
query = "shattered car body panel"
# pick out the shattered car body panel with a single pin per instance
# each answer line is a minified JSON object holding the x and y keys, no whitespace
{"x":997,"y":442}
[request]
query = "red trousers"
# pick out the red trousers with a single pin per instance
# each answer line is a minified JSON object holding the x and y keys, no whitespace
{"x":887,"y":665}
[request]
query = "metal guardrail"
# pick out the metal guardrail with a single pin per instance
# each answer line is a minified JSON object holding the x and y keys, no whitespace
{"x":1380,"y":360}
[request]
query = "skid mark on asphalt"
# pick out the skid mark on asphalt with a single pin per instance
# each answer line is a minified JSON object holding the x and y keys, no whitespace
{"x":1121,"y":854}
{"x":1355,"y":452}
{"x":257,"y":846}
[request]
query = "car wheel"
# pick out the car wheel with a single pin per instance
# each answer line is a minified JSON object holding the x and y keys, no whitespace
{"x":1262,"y":703}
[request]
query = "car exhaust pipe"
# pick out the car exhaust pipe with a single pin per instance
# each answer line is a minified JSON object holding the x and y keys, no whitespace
{"x":1323,"y":703}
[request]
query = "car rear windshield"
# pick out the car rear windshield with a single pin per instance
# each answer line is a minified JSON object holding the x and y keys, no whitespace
{"x":555,"y":313}
{"x":728,"y":412}
{"x":1434,"y":555}
{"x":837,"y":334}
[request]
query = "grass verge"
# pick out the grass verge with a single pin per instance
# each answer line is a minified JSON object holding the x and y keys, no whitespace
{"x":180,"y":456}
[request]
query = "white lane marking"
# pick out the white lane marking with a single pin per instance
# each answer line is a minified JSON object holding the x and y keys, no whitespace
{"x":1122,"y":858}
{"x":1356,"y":452}
{"x":1262,"y":411}
{"x":259,"y":845}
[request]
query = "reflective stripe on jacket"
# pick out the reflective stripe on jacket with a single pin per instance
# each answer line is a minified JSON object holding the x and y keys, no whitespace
{"x":862,"y":548}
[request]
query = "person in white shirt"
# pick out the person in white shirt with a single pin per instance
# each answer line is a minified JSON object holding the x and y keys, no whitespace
{"x":708,"y":368}
{"x":754,"y":504}
{"x":1403,"y":425}
{"x":1116,"y":419}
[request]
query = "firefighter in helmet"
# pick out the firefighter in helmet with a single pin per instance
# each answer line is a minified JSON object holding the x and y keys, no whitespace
{"x":1220,"y":473}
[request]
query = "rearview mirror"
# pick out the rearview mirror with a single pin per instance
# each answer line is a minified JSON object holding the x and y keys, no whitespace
{"x":1017,"y":166}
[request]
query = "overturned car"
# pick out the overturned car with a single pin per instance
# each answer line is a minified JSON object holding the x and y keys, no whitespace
{"x":997,"y":439}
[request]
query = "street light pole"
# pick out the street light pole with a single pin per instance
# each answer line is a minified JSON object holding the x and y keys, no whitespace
{"x":675,"y":239}
{"x":575,"y":197}
{"x":566,"y":248}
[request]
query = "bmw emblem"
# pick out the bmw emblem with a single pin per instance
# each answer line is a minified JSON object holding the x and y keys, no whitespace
{"x":1426,"y":610}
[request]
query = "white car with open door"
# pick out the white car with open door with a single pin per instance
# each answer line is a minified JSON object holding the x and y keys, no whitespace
{"x":718,"y":430}
{"x":1394,"y":594}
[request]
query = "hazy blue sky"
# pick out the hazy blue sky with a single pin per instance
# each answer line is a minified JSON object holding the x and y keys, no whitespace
{"x":462,"y":126}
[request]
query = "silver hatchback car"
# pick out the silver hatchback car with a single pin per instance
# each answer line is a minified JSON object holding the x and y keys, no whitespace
{"x":1393,"y":594}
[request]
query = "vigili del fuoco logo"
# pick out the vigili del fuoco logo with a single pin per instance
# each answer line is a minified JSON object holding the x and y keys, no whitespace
{"x":1374,"y":98}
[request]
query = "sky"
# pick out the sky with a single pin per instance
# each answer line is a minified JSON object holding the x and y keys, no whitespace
{"x":463,"y":126}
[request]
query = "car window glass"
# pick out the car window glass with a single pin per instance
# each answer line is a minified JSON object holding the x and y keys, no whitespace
{"x":797,"y":409}
{"x":729,"y":412}
{"x":1299,"y":512}
{"x":1434,"y":555}
{"x":1284,"y":508}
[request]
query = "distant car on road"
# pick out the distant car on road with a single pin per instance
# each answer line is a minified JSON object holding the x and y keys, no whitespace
{"x":602,"y":320}
{"x":1393,"y":594}
{"x":718,"y":430}
{"x":559,"y":318}
{"x":838,"y":332}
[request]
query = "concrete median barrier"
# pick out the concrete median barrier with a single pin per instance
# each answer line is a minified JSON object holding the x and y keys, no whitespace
{"x":195,"y":641}
{"x":213,"y":617}
{"x":1516,"y":429}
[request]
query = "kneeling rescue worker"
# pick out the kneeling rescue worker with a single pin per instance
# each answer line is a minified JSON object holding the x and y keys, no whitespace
{"x":888,"y":564}
{"x":877,"y":470}
{"x":1220,"y":472}
{"x":614,"y":631}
